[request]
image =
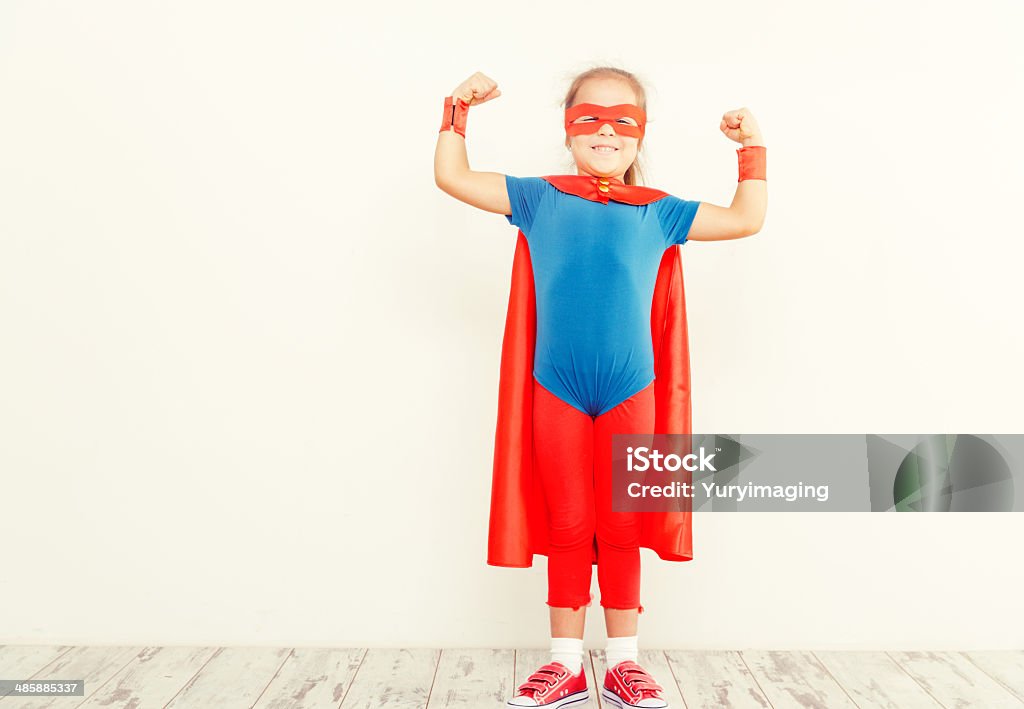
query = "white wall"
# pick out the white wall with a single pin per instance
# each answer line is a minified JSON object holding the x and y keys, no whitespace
{"x":250,"y":352}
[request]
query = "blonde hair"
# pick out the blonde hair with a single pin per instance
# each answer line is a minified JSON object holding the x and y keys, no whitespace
{"x":635,"y":174}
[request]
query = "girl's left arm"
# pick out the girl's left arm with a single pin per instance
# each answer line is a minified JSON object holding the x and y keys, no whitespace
{"x":745,"y":216}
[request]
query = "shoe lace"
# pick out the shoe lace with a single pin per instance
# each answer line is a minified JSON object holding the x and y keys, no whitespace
{"x":638,"y":679}
{"x":539,"y":681}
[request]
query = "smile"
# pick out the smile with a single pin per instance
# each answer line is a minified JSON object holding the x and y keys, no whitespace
{"x":603,"y":149}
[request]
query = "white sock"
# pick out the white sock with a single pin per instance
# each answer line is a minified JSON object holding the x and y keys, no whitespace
{"x":619,"y":649}
{"x":568,"y":651}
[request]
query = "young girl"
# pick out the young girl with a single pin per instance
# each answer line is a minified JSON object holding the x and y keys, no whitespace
{"x":595,"y":345}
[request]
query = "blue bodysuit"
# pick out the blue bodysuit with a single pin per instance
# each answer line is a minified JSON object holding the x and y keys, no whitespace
{"x":594,"y":270}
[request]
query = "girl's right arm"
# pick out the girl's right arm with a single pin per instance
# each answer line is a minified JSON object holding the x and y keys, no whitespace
{"x":484,"y":190}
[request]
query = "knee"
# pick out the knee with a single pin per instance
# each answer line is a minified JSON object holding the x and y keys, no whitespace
{"x":618,"y":535}
{"x":573,"y":534}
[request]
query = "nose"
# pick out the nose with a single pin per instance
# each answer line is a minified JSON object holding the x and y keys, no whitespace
{"x":606,"y":129}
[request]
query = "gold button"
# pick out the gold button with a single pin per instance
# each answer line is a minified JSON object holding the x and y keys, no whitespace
{"x":603,"y":188}
{"x":603,"y":182}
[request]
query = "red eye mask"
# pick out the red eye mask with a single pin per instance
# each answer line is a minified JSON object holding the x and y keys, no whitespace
{"x":605,"y":114}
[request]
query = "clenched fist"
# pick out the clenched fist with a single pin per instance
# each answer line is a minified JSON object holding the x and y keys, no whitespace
{"x":477,"y":89}
{"x":741,"y":126}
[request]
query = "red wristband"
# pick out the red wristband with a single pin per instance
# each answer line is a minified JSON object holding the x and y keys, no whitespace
{"x":455,"y":113}
{"x":752,"y":162}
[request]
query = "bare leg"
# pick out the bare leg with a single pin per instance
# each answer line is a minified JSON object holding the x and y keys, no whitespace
{"x":567,"y":623}
{"x":620,"y":623}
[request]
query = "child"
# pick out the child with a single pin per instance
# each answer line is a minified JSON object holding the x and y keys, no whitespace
{"x":595,"y":345}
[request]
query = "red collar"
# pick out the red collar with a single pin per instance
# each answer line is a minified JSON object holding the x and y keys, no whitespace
{"x":602,"y":189}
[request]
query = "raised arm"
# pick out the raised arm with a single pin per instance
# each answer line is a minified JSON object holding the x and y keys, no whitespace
{"x":745,"y":216}
{"x":484,"y":190}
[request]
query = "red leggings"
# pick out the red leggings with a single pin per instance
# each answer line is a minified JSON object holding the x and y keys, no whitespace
{"x":573,"y":455}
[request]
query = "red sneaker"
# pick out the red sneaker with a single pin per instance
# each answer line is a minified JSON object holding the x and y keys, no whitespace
{"x":552,"y":686}
{"x":628,"y":685}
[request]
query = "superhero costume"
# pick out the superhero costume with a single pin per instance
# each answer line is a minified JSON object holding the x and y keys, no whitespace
{"x":518,"y":518}
{"x":594,"y":266}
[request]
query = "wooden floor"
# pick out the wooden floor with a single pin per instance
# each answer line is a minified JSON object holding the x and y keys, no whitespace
{"x":224,"y":678}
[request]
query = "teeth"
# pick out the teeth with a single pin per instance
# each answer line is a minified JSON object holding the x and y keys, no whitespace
{"x":603,"y":149}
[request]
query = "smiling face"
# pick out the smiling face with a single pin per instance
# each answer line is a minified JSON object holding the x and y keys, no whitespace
{"x":606,"y":153}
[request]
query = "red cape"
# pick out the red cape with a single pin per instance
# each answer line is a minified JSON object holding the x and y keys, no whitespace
{"x":518,"y":519}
